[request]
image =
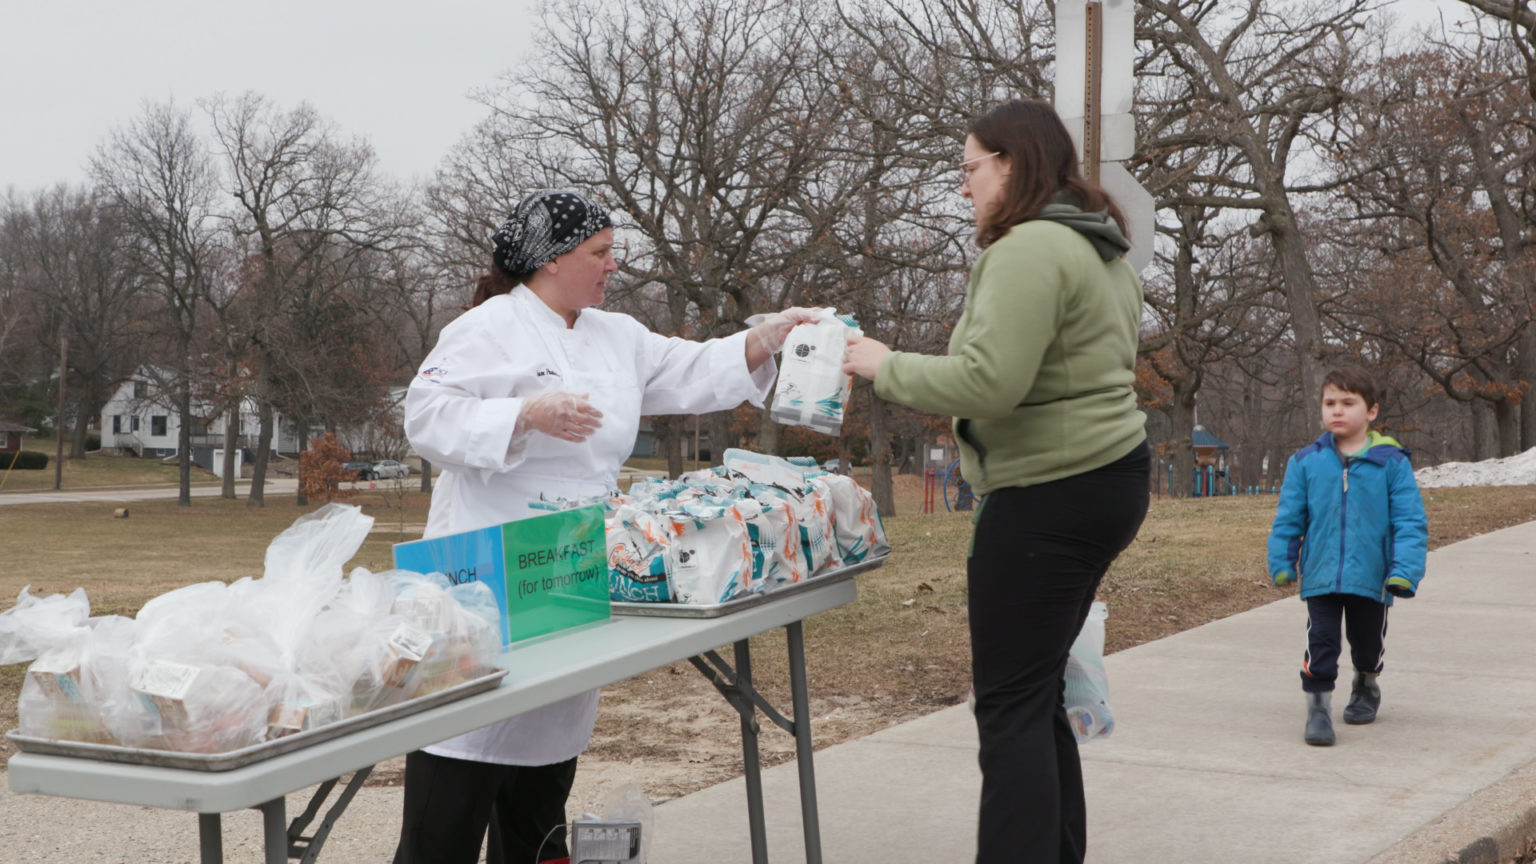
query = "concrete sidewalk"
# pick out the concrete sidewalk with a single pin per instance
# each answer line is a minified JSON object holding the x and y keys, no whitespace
{"x":1207,"y":763}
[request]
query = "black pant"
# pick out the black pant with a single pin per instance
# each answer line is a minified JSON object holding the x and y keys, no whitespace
{"x":1036,"y":561}
{"x":1364,"y":622}
{"x":449,"y":803}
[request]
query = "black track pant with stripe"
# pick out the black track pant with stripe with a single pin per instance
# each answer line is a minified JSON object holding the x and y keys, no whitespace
{"x":1363,"y":620}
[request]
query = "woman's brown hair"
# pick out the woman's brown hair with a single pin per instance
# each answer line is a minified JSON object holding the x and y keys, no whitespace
{"x":1042,"y":161}
{"x":497,"y":281}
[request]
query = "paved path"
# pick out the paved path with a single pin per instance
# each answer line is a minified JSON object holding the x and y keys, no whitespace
{"x":1206,"y":765}
{"x":276,"y":486}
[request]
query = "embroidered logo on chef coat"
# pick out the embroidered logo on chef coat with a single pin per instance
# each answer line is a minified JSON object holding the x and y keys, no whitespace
{"x":433,"y":373}
{"x":546,"y":371}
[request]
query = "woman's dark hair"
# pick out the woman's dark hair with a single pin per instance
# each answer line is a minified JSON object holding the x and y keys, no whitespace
{"x":1042,"y":161}
{"x":497,"y":281}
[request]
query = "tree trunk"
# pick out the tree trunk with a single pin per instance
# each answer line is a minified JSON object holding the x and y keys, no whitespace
{"x":1507,"y":420}
{"x":184,"y":438}
{"x":768,"y":435}
{"x":880,"y":456}
{"x":299,"y":497}
{"x":231,"y":442}
{"x":1484,"y":431}
{"x":720,"y":437}
{"x":1300,"y":294}
{"x":426,"y":475}
{"x":1525,"y":369}
{"x":257,"y":496}
{"x":1181,"y":416}
{"x":86,"y":408}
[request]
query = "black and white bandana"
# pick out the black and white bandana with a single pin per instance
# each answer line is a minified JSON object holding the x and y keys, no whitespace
{"x":546,"y":225}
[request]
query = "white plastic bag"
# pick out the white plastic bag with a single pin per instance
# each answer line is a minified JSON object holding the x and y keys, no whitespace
{"x":855,"y":519}
{"x":710,"y":559}
{"x":37,"y":624}
{"x":1087,"y":683}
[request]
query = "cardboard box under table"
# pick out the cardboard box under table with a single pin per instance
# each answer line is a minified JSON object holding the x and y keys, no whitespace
{"x":539,"y":672}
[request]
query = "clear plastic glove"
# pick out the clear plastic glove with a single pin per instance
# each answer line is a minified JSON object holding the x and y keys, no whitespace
{"x":567,"y":416}
{"x":772,"y":329}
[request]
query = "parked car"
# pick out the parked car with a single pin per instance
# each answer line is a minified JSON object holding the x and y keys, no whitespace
{"x":361,"y":470}
{"x":832,"y":466}
{"x":389,"y":469}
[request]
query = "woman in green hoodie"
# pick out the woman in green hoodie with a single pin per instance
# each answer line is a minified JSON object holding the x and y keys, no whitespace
{"x":1039,"y":379}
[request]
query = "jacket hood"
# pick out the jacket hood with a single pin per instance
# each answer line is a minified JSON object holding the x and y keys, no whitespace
{"x":1379,"y":448}
{"x":1097,"y":226}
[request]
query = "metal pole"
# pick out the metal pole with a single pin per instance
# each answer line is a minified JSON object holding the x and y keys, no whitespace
{"x":1093,"y":88}
{"x":274,"y":828}
{"x":804,"y":757}
{"x":749,"y":761}
{"x":210,"y":839}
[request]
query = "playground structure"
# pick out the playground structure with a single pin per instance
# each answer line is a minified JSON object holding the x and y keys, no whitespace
{"x":947,"y":485}
{"x":1212,"y":474}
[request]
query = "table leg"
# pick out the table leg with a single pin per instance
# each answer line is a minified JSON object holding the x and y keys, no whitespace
{"x":804,"y":756}
{"x":749,"y":760}
{"x":274,"y":828}
{"x":210,"y":838}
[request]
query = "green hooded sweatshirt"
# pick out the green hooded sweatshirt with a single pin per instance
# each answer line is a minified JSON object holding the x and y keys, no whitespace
{"x":1041,"y":365}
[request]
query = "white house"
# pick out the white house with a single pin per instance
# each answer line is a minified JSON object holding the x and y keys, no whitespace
{"x":142,"y":418}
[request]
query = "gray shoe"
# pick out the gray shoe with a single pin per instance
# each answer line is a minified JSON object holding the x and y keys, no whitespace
{"x":1364,"y":699}
{"x":1319,"y":724}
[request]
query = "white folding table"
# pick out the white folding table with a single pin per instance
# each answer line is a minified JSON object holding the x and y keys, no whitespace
{"x":538,"y":673}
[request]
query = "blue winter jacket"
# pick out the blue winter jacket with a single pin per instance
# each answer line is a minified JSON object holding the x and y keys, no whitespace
{"x":1346,"y":530}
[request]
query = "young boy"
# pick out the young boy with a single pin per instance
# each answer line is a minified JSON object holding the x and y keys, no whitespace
{"x":1350,"y":528}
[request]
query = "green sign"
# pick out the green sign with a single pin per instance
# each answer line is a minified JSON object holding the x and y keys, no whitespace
{"x":548,"y":572}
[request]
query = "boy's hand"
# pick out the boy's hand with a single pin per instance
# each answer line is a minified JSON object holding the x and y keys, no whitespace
{"x":1283,"y":578}
{"x":1397,"y":586}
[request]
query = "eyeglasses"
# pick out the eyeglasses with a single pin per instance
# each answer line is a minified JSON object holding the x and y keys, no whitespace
{"x":968,"y":166}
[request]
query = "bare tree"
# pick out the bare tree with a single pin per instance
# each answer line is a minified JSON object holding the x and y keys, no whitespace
{"x":68,"y":247}
{"x":161,"y":179}
{"x":1443,"y":154}
{"x":1258,"y":78}
{"x":308,"y":205}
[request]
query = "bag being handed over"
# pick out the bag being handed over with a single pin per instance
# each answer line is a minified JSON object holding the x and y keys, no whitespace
{"x":813,"y":389}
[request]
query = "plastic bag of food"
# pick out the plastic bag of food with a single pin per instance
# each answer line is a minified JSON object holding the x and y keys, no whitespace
{"x":710,"y":558}
{"x":813,"y":389}
{"x":855,"y":519}
{"x":448,"y":634}
{"x":777,"y":558}
{"x":765,"y":469}
{"x":637,"y":567}
{"x":187,"y":707}
{"x":1086,"y":690}
{"x":37,"y":624}
{"x":812,"y":509}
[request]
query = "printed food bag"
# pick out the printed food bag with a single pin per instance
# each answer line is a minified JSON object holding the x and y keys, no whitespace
{"x":813,"y":389}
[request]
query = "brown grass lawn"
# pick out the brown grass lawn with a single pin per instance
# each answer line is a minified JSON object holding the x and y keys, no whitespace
{"x":898,"y":652}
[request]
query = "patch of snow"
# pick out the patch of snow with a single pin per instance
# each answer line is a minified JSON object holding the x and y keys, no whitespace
{"x":1517,"y":470}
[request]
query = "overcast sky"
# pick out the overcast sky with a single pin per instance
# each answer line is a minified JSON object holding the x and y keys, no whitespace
{"x":397,"y":72}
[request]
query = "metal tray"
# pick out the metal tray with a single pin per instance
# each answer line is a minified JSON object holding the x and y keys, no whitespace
{"x":256,"y":752}
{"x":736,"y":604}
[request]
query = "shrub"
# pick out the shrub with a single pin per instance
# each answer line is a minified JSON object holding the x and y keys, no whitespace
{"x":25,"y":460}
{"x":92,"y":441}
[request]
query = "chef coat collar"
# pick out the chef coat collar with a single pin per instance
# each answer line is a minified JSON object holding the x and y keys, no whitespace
{"x":542,"y":310}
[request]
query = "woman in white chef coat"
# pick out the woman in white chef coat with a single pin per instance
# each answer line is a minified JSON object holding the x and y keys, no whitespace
{"x":531,"y":392}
